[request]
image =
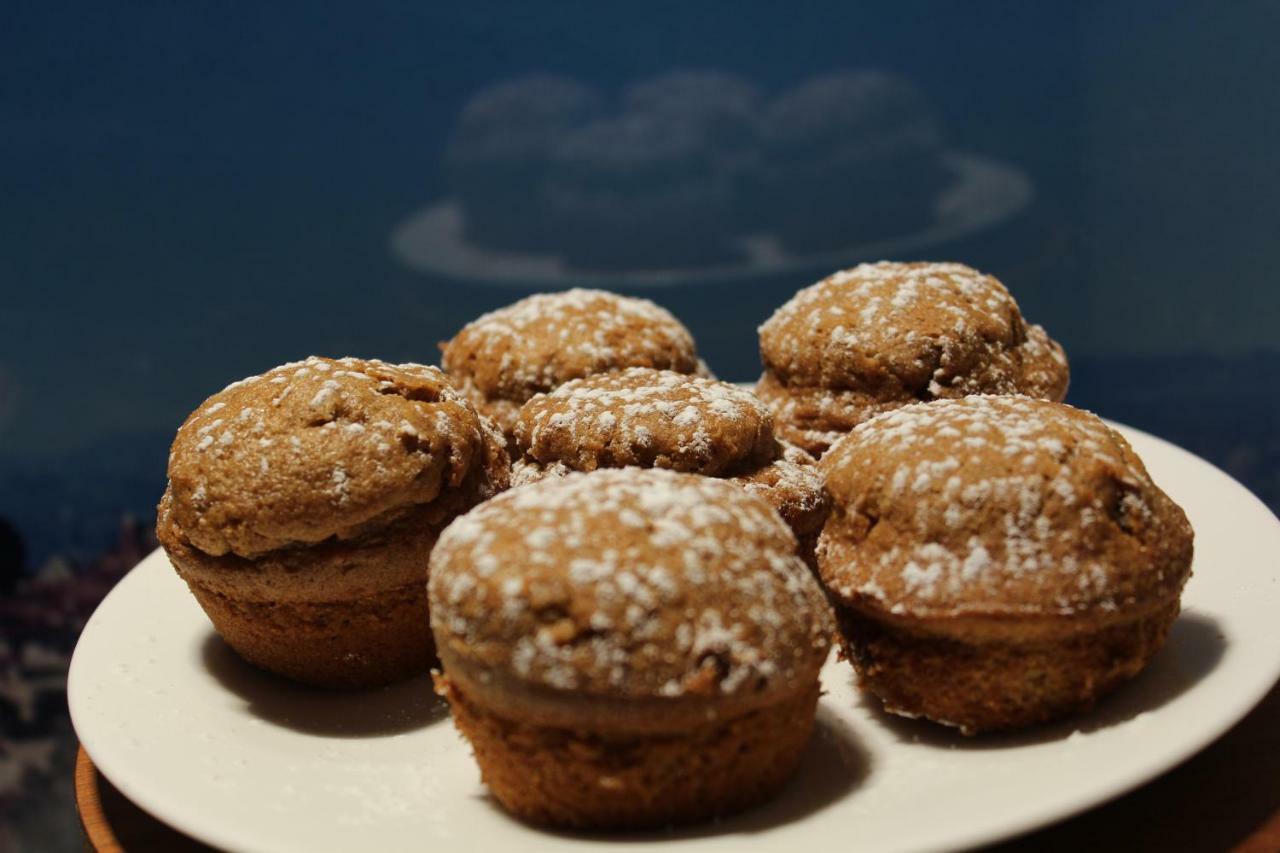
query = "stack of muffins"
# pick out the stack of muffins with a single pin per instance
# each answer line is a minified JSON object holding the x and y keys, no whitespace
{"x":631,"y":634}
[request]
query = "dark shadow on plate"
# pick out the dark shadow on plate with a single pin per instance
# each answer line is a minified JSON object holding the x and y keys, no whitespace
{"x":400,"y":708}
{"x":1194,"y":648}
{"x":834,"y":764}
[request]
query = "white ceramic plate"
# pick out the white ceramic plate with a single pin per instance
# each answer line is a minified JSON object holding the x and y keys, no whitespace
{"x":242,"y":760}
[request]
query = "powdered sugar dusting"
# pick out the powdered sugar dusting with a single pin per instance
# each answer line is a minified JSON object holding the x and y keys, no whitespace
{"x":979,"y":493}
{"x":888,"y":297}
{"x":583,"y":332}
{"x":707,"y":586}
{"x":305,"y":450}
{"x":883,"y":335}
{"x":686,"y":422}
{"x":326,"y":391}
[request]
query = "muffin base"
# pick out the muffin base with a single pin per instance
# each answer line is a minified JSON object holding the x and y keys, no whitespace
{"x":343,"y":615}
{"x":997,"y":683}
{"x":368,"y":642}
{"x":595,"y":779}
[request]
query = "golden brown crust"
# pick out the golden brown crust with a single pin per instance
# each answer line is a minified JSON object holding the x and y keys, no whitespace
{"x":991,"y":683}
{"x":547,"y":339}
{"x":510,"y":695}
{"x":792,"y":484}
{"x":648,"y":418}
{"x":362,"y":642}
{"x":318,"y":449}
{"x":883,"y":335}
{"x":339,"y":614}
{"x":326,"y":572}
{"x":630,"y":583}
{"x":997,"y":505}
{"x":349,"y":609}
{"x":335,"y":614}
{"x":1044,"y":366}
{"x":575,"y":777}
{"x":815,"y":418}
{"x":501,"y":412}
{"x":660,"y":419}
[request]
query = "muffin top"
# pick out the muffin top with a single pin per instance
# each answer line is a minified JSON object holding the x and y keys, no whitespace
{"x":911,"y":331}
{"x":630,"y":583}
{"x":997,"y":505}
{"x":647,"y":418}
{"x":323,"y":448}
{"x":545,"y":340}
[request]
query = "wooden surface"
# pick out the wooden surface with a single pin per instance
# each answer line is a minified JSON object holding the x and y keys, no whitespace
{"x":1225,"y":798}
{"x":93,"y":819}
{"x":112,"y":824}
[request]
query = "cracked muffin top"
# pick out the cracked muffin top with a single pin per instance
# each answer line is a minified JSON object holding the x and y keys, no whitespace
{"x":909,"y":332}
{"x":660,"y":419}
{"x":997,"y":505}
{"x":545,"y":340}
{"x":648,"y":418}
{"x":629,"y":583}
{"x":323,"y":448}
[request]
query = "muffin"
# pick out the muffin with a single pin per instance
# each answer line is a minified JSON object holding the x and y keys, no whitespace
{"x":628,"y":648}
{"x":997,"y":561}
{"x":879,"y":336}
{"x":661,"y":419}
{"x":499,"y":157}
{"x":503,"y":358}
{"x":302,"y":505}
{"x":847,"y":158}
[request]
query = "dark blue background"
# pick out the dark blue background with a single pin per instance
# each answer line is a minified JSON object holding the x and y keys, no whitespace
{"x":190,"y":193}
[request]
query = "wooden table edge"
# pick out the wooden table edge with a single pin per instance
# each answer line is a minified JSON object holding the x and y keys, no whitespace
{"x":93,"y":819}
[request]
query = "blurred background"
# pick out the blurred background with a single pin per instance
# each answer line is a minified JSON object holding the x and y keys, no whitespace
{"x":192,"y":193}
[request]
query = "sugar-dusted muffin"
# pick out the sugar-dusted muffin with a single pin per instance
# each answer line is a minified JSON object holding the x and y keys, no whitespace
{"x":998,"y":561}
{"x":302,"y":505}
{"x":879,"y":336}
{"x":628,"y":648}
{"x":662,"y":419}
{"x":503,"y":358}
